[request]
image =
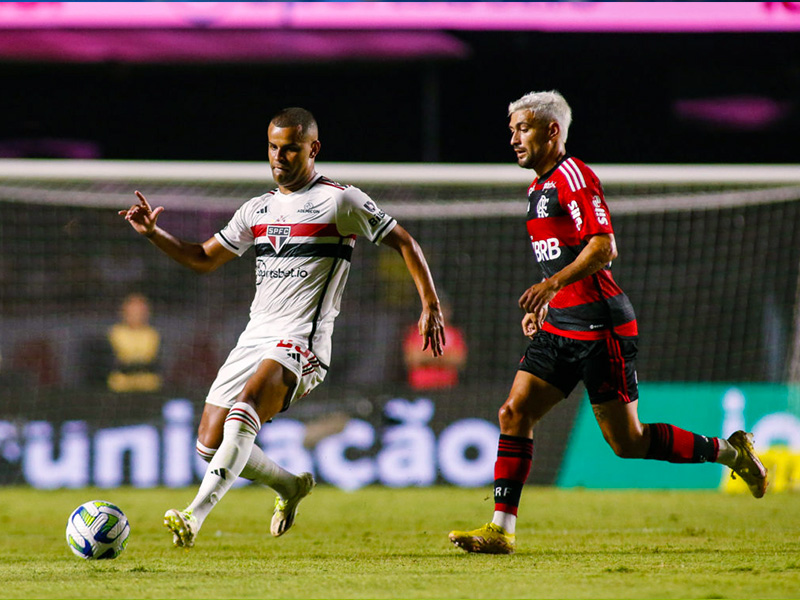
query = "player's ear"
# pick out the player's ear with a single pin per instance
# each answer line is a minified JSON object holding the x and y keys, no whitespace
{"x":315,"y":146}
{"x":553,"y":130}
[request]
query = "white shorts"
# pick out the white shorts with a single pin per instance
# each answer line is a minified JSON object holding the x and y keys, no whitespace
{"x":243,"y":361}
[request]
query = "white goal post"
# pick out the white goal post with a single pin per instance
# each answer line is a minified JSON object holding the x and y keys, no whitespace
{"x":740,"y":184}
{"x":394,"y":173}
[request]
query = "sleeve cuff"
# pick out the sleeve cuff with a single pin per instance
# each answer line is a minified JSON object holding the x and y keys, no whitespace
{"x":384,"y":230}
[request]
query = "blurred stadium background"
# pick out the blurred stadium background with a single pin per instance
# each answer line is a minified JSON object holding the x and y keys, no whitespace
{"x":173,"y":99}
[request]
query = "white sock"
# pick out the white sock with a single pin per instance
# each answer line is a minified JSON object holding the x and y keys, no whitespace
{"x":261,"y":469}
{"x":239,"y":434}
{"x":505,"y":520}
{"x":204,"y":451}
{"x":727,"y":453}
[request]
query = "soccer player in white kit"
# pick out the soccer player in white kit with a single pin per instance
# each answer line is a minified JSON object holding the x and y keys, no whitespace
{"x":303,"y":234}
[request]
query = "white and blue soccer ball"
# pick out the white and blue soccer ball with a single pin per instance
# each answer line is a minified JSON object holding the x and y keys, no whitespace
{"x":97,"y":530}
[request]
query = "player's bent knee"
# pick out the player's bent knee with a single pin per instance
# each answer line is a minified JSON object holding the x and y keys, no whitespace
{"x":507,"y":415}
{"x":268,"y":389}
{"x":513,"y":420}
{"x":627,"y":448}
{"x":251,"y":397}
{"x":623,"y":451}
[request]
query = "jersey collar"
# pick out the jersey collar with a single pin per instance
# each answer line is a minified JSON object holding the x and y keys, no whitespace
{"x":305,"y":188}
{"x":547,"y":175}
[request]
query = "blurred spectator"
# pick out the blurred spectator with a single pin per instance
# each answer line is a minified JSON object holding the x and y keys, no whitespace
{"x":135,"y":345}
{"x":197,"y":364}
{"x":426,"y":372}
{"x":35,"y":357}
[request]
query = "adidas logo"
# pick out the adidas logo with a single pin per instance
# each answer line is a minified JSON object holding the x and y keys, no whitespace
{"x":294,"y":356}
{"x":221,"y":473}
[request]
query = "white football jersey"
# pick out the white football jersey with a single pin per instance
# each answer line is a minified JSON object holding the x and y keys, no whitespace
{"x":303,"y":242}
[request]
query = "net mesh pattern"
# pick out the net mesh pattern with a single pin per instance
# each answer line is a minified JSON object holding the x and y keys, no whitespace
{"x":712,"y":272}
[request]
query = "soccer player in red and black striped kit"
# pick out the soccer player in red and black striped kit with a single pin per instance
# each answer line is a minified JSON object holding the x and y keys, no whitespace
{"x":582,"y":327}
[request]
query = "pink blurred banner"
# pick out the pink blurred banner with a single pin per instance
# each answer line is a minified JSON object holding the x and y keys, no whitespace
{"x":533,"y":16}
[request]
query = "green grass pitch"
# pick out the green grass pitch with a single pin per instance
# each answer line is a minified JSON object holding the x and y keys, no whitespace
{"x":385,"y":543}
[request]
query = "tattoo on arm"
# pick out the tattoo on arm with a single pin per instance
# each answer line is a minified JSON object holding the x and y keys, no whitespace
{"x":600,"y":412}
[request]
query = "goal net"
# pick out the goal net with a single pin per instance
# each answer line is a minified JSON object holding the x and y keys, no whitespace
{"x":708,"y":255}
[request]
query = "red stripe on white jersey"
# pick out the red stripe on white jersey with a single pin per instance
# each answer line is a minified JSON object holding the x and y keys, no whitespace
{"x":302,"y":229}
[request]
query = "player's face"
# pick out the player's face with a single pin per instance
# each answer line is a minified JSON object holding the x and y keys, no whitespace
{"x":291,"y":156}
{"x":531,"y":139}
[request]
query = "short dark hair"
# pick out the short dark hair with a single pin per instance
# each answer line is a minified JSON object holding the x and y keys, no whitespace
{"x":295,"y":116}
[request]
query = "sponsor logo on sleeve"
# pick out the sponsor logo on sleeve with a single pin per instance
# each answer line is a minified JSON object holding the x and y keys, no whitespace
{"x":373,"y":209}
{"x":575,"y":213}
{"x":599,"y":211}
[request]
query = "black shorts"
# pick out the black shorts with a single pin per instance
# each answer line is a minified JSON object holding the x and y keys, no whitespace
{"x":607,"y":367}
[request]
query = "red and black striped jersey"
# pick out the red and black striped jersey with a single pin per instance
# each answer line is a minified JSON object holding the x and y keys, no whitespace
{"x":566,"y":207}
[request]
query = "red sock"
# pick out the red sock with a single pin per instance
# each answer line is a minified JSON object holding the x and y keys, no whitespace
{"x":514,"y":457}
{"x":675,"y":445}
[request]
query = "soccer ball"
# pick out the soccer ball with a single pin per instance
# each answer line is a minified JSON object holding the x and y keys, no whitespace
{"x":97,"y":530}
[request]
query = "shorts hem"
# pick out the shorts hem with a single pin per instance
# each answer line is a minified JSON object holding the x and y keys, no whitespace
{"x":612,"y":398}
{"x":547,"y":381}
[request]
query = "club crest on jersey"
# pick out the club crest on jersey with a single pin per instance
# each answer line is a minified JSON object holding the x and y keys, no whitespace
{"x":278,"y":235}
{"x":541,"y":207}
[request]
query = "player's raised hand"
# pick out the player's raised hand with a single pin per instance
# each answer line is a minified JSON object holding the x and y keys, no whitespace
{"x":141,"y":217}
{"x":431,"y":328}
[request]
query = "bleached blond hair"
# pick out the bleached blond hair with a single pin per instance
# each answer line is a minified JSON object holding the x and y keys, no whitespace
{"x":545,"y":106}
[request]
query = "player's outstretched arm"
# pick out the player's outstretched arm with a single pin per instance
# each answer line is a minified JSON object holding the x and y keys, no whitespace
{"x":431,"y":321}
{"x":202,"y":258}
{"x":599,"y":251}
